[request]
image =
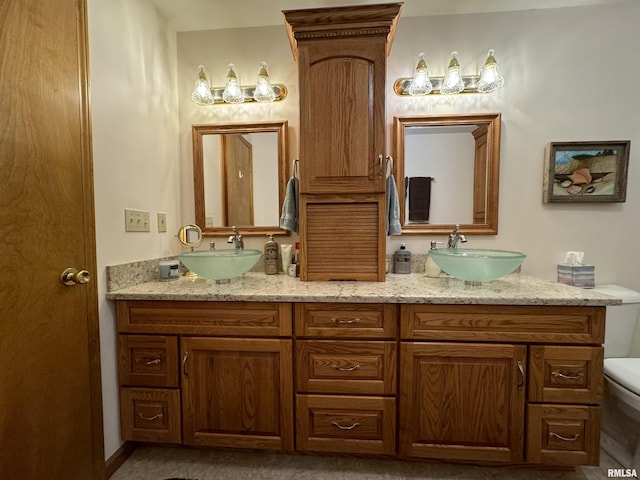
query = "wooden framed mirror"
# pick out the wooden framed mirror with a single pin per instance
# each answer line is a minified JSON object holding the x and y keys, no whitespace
{"x":447,"y":169}
{"x":240,"y":173}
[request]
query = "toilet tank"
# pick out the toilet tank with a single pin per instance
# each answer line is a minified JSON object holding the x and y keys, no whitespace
{"x":622,"y":320}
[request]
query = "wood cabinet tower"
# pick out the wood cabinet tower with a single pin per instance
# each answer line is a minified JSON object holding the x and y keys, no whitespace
{"x":341,"y":54}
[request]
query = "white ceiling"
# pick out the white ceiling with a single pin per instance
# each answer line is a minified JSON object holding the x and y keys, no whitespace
{"x":187,"y":15}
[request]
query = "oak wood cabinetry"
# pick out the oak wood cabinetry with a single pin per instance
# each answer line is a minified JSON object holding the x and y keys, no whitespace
{"x":346,"y":377}
{"x":206,"y":373}
{"x":467,"y":401}
{"x":462,"y":401}
{"x":237,"y":392}
{"x":477,"y":383}
{"x":341,"y":54}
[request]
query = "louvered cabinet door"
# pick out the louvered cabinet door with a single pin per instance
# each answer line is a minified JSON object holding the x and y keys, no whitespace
{"x":344,"y":238}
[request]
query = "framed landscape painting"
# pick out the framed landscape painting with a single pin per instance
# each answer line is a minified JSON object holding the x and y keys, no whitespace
{"x":586,"y":172}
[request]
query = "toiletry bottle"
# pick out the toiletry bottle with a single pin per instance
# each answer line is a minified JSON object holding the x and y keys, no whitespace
{"x":431,"y":269}
{"x":271,"y":260}
{"x":402,"y":260}
{"x":296,"y":258}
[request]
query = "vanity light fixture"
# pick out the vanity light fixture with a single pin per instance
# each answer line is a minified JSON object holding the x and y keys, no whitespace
{"x":420,"y":83}
{"x":453,"y":82}
{"x":490,"y":78}
{"x":202,"y":91}
{"x":264,"y":91}
{"x":233,"y":92}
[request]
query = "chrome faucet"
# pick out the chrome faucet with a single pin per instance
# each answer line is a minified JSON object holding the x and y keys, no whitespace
{"x":236,"y":239}
{"x":455,"y":237}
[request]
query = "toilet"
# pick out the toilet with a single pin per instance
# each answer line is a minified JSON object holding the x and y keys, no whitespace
{"x":620,"y":430}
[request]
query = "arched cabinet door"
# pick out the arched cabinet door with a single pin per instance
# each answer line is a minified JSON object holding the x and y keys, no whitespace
{"x":342,"y":131}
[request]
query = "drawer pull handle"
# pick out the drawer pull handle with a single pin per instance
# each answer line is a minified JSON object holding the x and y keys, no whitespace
{"x":155,"y":417}
{"x":345,"y":369}
{"x":573,"y":438}
{"x":347,"y":322}
{"x":568,"y":377}
{"x":153,"y":362}
{"x":184,"y":365}
{"x":342,"y":427}
{"x":521,"y":370}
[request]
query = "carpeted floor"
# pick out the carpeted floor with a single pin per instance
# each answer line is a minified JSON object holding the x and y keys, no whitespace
{"x":169,"y":463}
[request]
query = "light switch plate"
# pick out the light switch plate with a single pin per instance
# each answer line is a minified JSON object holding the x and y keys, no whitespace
{"x":136,"y":220}
{"x":162,"y":222}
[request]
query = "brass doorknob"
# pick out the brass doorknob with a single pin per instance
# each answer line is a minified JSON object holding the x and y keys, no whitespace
{"x":73,"y":276}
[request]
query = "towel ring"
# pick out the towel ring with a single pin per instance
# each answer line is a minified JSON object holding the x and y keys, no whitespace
{"x":389,"y":165}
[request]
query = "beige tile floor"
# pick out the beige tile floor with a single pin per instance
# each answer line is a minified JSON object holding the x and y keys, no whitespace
{"x":160,"y":463}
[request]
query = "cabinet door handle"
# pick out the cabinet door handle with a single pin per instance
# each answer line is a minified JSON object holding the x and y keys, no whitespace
{"x":573,"y":438}
{"x":380,"y":165}
{"x":342,"y":427}
{"x":345,"y":322}
{"x":155,"y":417}
{"x":346,"y":369}
{"x":521,"y":370}
{"x":184,"y":364}
{"x":155,"y":361}
{"x":567,"y":377}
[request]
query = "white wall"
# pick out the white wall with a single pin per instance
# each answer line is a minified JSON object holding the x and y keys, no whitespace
{"x":570,"y":76}
{"x":135,"y":152}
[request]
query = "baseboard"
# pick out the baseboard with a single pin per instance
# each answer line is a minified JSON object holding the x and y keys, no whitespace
{"x":114,"y":462}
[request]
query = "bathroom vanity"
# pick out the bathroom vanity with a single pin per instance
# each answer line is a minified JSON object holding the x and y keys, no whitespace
{"x":415,"y":368}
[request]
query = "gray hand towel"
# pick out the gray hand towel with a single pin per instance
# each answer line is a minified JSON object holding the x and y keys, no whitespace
{"x":289,"y":217}
{"x":393,"y":208}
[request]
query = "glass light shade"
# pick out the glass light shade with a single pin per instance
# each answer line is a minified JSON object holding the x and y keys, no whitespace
{"x":452,"y":82}
{"x":202,"y":91}
{"x":264,"y":91}
{"x":490,"y":78}
{"x":420,"y":83}
{"x":232,"y":89}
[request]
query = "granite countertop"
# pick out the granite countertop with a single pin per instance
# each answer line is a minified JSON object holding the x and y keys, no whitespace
{"x":514,"y":289}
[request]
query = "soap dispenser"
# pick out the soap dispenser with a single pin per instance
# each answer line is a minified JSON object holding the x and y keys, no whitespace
{"x":271,"y":260}
{"x":402,"y":262}
{"x":431,"y":268}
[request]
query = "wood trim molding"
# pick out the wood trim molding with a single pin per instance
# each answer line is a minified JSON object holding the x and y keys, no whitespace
{"x":115,"y":461}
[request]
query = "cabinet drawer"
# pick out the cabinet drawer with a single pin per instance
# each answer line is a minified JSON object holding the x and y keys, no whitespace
{"x":148,"y":361}
{"x":249,"y":319}
{"x":563,"y":434}
{"x":328,"y":366}
{"x":347,"y":320}
{"x":345,"y":424}
{"x":150,"y":415}
{"x":504,"y":323}
{"x":565,"y":374}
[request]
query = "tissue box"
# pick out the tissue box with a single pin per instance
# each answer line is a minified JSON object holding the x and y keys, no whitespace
{"x":583,"y":276}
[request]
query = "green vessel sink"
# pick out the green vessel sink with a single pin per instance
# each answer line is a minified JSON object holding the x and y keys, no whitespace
{"x":220,"y":264}
{"x":476,"y":265}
